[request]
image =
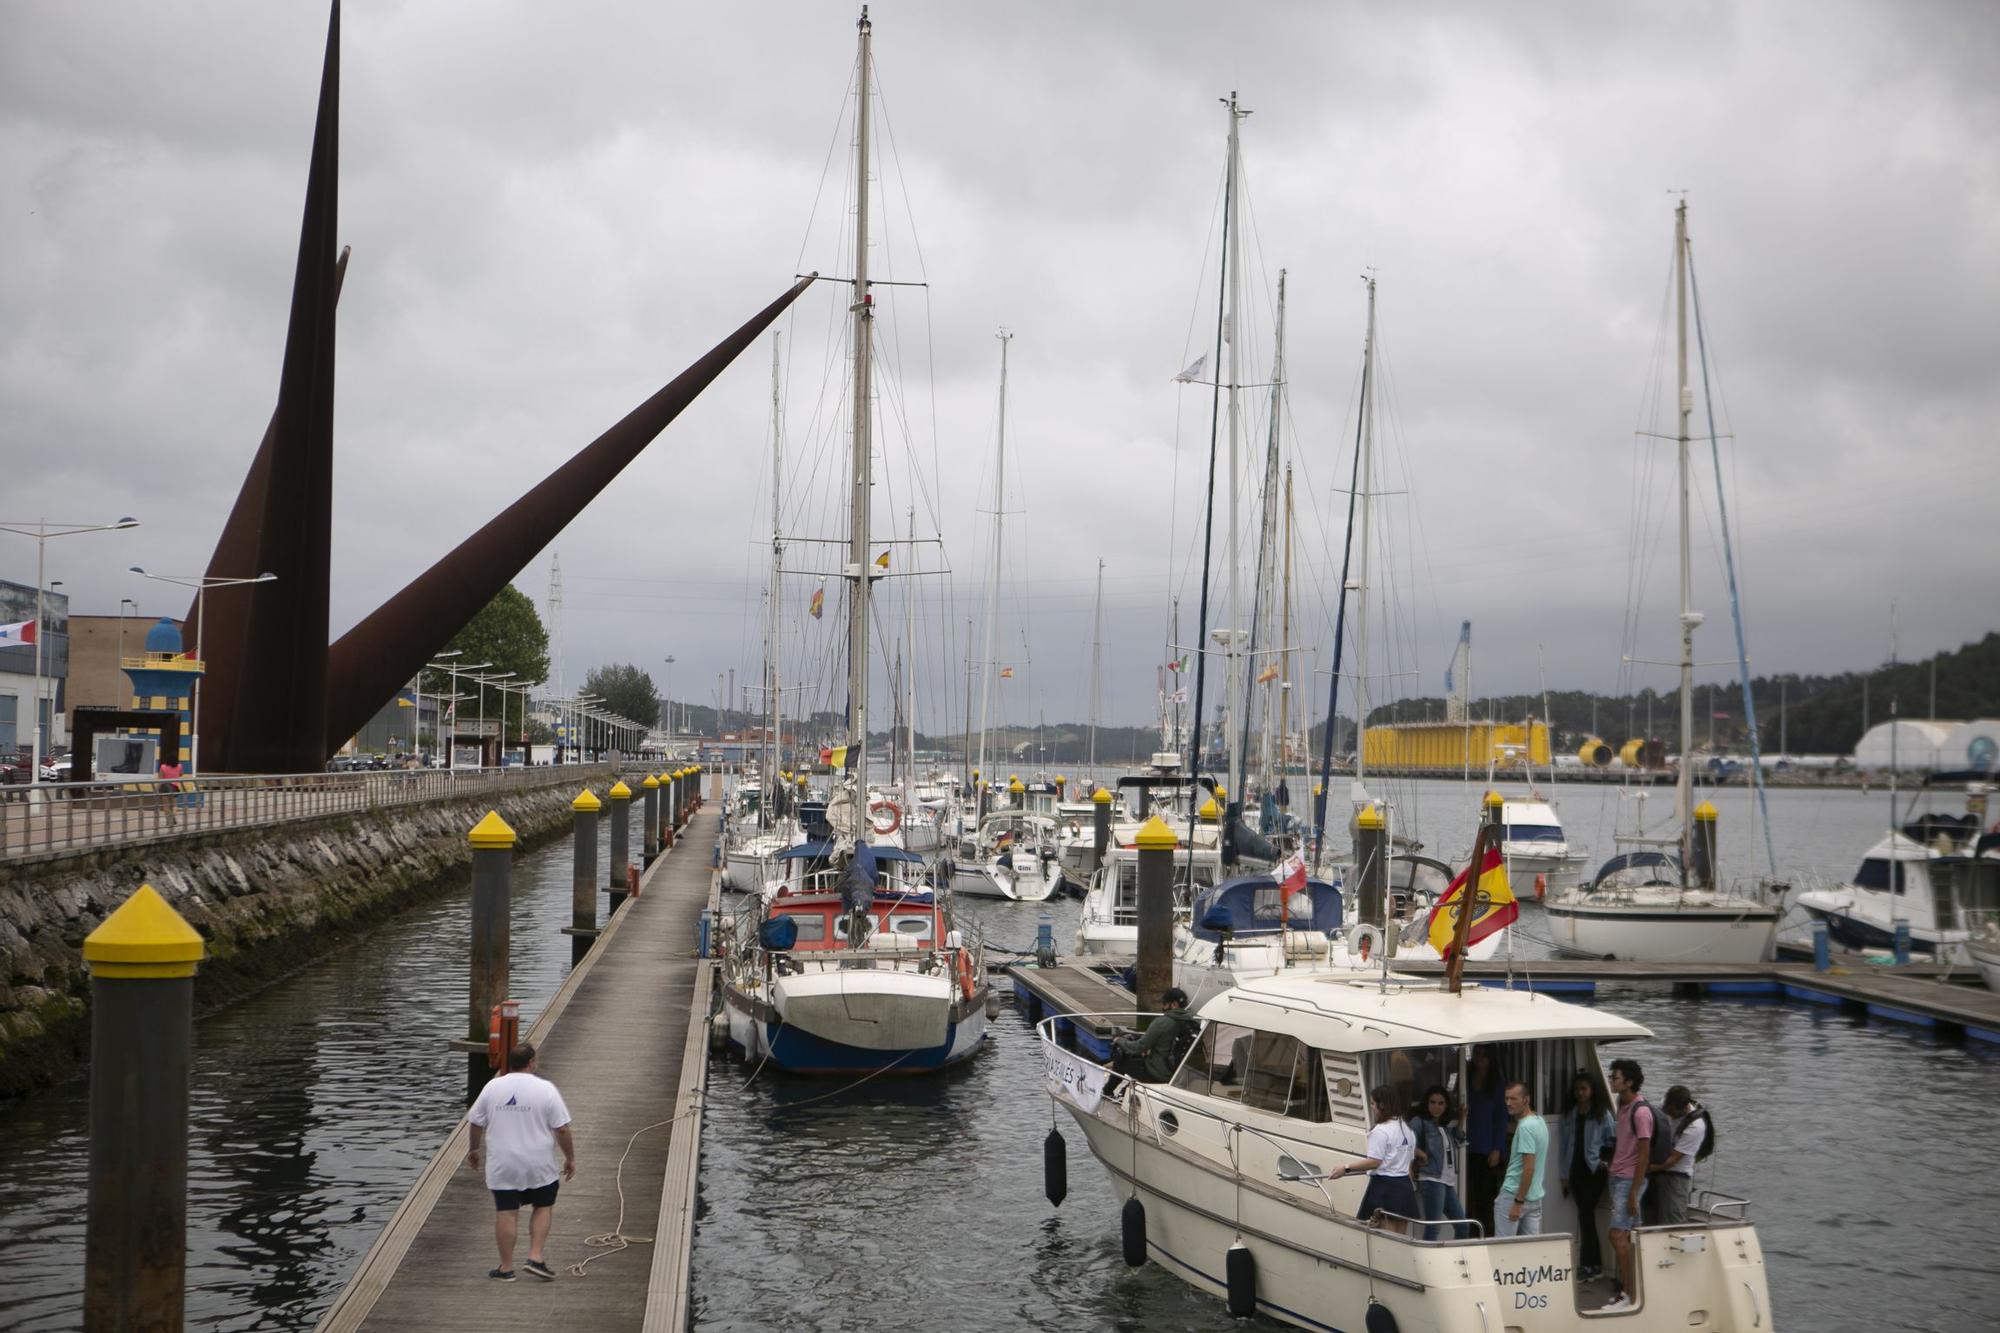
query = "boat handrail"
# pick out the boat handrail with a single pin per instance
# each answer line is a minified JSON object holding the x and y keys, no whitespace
{"x":1714,"y":1201}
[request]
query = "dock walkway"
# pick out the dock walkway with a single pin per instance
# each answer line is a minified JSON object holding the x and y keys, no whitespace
{"x":624,"y":1039}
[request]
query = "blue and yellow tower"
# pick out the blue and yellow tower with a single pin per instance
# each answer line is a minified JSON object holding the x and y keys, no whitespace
{"x":165,"y":678}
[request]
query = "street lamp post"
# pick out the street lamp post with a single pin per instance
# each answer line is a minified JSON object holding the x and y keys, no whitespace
{"x":124,"y":602}
{"x":201,"y":583}
{"x":453,"y":668}
{"x":669,"y":682}
{"x":417,"y":725}
{"x":41,"y":530}
{"x":484,"y":681}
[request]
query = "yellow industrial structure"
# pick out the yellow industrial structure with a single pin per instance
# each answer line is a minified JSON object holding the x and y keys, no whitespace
{"x":1442,"y":745}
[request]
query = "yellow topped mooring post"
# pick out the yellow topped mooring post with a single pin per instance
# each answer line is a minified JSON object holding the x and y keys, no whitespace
{"x":582,"y":928}
{"x":142,"y":962}
{"x":492,"y":840}
{"x":1155,"y":971}
{"x":621,"y":841}
{"x":1705,"y":845}
{"x":1371,"y":866}
{"x":649,"y":839}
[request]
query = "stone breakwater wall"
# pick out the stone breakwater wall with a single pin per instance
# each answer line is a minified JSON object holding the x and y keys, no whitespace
{"x":267,"y":901}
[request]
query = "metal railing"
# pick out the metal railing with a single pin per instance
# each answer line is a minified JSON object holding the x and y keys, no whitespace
{"x":74,"y":817}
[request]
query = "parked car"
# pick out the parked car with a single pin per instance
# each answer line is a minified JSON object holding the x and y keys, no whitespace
{"x":14,"y":768}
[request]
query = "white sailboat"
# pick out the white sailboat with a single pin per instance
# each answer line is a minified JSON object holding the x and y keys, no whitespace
{"x":1646,"y":904}
{"x":856,"y":963}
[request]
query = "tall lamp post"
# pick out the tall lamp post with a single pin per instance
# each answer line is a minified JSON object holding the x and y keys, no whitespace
{"x":437,"y":725}
{"x":124,"y":602}
{"x":484,"y":681}
{"x":201,"y":583}
{"x":41,"y":530}
{"x":579,"y":709}
{"x":669,"y":683}
{"x":452,"y":669}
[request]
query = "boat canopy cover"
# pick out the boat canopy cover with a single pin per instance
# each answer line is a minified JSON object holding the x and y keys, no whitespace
{"x":1249,"y":905}
{"x":806,"y":851}
{"x":1640,"y":861}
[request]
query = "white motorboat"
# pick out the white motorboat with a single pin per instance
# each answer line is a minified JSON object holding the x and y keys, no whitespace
{"x":1012,"y":855}
{"x":1985,"y":951}
{"x":1538,"y":851}
{"x":1227,"y":1170}
{"x":1939,"y":875}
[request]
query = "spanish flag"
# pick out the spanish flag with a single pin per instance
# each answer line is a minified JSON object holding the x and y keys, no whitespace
{"x":882,"y":560}
{"x":818,"y":602}
{"x":1006,"y":673}
{"x":1268,"y":674}
{"x":1494,"y":905}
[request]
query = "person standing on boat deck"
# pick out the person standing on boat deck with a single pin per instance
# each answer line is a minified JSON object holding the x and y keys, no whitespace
{"x":1631,"y":1153}
{"x":1485,"y":1134}
{"x":1518,"y":1211}
{"x":1673,"y":1175}
{"x":521,"y":1117}
{"x":1392,"y":1147}
{"x":1163,"y":1039}
{"x":1439,"y":1142}
{"x":1586,"y":1140}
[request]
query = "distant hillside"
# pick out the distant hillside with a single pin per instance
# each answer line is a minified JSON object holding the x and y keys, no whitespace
{"x":1821,"y":714}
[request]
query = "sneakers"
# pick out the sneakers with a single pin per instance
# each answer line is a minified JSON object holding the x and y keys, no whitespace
{"x":501,"y":1274}
{"x":536,"y":1268}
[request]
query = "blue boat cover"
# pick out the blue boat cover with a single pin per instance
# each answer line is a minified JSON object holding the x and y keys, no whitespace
{"x":1248,"y":905}
{"x":777,"y":933}
{"x":1668,"y":865}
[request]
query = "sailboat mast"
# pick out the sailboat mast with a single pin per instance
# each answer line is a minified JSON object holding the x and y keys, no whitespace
{"x":863,"y":310}
{"x":993,"y":564}
{"x":1366,"y":489}
{"x":910,"y":667}
{"x":774,"y":738}
{"x":1234,"y":552}
{"x":1267,"y":539}
{"x":1684,"y":788}
{"x":1096,"y":661}
{"x":1285,"y":633}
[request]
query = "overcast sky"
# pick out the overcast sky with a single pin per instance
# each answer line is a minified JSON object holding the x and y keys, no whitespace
{"x":555,"y":208}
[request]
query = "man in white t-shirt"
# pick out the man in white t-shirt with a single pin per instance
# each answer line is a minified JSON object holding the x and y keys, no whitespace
{"x":518,"y":1122}
{"x":1673,"y":1175}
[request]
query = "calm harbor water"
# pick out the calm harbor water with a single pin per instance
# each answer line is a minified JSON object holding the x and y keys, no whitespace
{"x":317,"y":1102}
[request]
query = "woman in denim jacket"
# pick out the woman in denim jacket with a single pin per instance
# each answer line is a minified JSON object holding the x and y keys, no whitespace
{"x":1581,"y":1158}
{"x":1440,"y":1145}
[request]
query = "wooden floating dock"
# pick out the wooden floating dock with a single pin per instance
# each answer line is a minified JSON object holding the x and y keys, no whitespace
{"x":625,"y":1039}
{"x":1949,"y":1001}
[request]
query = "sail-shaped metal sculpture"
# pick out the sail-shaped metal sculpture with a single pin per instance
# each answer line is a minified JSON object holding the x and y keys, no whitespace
{"x":279,"y":700}
{"x":375,"y":658}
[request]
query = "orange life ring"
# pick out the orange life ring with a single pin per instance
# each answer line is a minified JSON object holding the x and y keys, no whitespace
{"x":895,"y":817}
{"x":965,"y":972}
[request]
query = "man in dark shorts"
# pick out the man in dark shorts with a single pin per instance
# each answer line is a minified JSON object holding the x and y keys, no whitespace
{"x":518,"y":1122}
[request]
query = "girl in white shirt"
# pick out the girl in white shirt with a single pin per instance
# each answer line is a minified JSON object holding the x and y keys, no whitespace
{"x":1392,"y":1147}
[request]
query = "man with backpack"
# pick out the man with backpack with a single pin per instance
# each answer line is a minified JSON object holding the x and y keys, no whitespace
{"x":1688,"y":1137}
{"x":1631,"y":1161}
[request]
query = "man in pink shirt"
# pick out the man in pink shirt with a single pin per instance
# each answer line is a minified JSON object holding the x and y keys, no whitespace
{"x":1631,"y":1155}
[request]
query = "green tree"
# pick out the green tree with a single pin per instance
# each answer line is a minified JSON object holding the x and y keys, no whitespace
{"x":509,"y":634}
{"x":627,"y":691}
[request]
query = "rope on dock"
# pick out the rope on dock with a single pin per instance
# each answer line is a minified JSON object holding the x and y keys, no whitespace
{"x":614,"y":1240}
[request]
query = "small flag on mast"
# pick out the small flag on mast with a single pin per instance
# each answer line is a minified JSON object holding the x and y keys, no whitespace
{"x":21,"y":631}
{"x":1268,"y":674}
{"x":1193,"y":374}
{"x":1494,"y":905}
{"x":818,"y":602}
{"x":1006,"y":673}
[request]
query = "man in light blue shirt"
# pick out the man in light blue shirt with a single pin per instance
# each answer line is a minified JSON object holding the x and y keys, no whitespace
{"x":1518,"y":1210}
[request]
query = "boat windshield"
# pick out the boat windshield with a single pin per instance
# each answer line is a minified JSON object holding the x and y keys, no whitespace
{"x":1881,"y":874}
{"x":1265,"y":1071}
{"x":1534,"y":833}
{"x":1549,"y":1067}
